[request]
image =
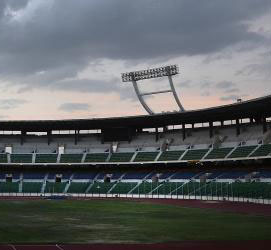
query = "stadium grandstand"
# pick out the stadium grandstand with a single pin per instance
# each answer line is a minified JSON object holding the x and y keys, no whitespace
{"x":221,"y":152}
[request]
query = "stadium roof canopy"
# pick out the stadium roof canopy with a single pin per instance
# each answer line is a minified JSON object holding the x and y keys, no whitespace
{"x":255,"y":108}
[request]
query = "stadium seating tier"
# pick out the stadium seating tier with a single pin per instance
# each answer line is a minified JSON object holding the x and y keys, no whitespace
{"x":145,"y":156}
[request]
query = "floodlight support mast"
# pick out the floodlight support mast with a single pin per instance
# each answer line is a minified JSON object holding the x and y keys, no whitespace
{"x":175,"y":93}
{"x":153,"y":73}
{"x":141,"y":99}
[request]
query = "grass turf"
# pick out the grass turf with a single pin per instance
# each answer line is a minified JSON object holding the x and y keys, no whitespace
{"x":122,"y":221}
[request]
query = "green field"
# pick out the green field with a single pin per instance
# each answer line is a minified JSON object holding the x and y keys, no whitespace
{"x":72,"y":221}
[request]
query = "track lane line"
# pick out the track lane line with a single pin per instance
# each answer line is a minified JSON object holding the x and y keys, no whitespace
{"x":59,"y":247}
{"x":49,"y":246}
{"x":12,"y":246}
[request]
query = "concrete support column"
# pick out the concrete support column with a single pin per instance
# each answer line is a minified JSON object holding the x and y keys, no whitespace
{"x":49,"y":135}
{"x":264,"y":125}
{"x":23,"y":134}
{"x":76,"y":136}
{"x":183,"y":129}
{"x":211,"y":132}
{"x":237,"y":127}
{"x":156,"y":134}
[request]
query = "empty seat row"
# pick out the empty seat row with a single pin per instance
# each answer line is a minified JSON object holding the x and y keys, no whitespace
{"x":88,"y":175}
{"x":212,"y":188}
{"x":171,"y":155}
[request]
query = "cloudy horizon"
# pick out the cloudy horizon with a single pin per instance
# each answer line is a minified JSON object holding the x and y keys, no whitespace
{"x":62,"y":59}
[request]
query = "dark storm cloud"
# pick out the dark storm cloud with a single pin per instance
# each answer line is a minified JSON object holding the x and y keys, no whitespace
{"x":96,"y":86}
{"x":72,"y":107}
{"x":82,"y":86}
{"x":228,"y":87}
{"x":233,"y":90}
{"x":260,"y":68}
{"x":13,"y":4}
{"x":65,"y":35}
{"x":85,"y":85}
{"x":225,"y":85}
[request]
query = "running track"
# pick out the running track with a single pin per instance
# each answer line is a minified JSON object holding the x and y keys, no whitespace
{"x":186,"y":245}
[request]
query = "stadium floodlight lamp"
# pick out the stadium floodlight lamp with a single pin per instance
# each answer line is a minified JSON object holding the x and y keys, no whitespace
{"x":150,"y":73}
{"x":167,"y":71}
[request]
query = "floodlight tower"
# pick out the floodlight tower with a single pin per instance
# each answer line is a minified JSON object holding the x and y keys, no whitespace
{"x":168,"y":71}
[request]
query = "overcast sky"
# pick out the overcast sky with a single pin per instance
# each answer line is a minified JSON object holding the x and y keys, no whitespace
{"x":63,"y":58}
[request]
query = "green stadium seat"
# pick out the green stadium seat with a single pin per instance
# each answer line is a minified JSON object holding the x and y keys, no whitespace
{"x":46,"y":158}
{"x":242,"y":152}
{"x":71,"y":158}
{"x":212,"y":189}
{"x":3,"y":158}
{"x":101,"y":187}
{"x":55,"y":187}
{"x":218,"y":153}
{"x":194,"y":154}
{"x":263,"y":150}
{"x":220,"y":189}
{"x":188,"y":188}
{"x":145,"y":156}
{"x":166,"y":188}
{"x":9,"y":187}
{"x":96,"y":157}
{"x":21,"y":158}
{"x":145,"y":187}
{"x":170,"y":155}
{"x":121,"y":157}
{"x":32,"y":187}
{"x":78,"y":187}
{"x":256,"y":190}
{"x":123,"y":187}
